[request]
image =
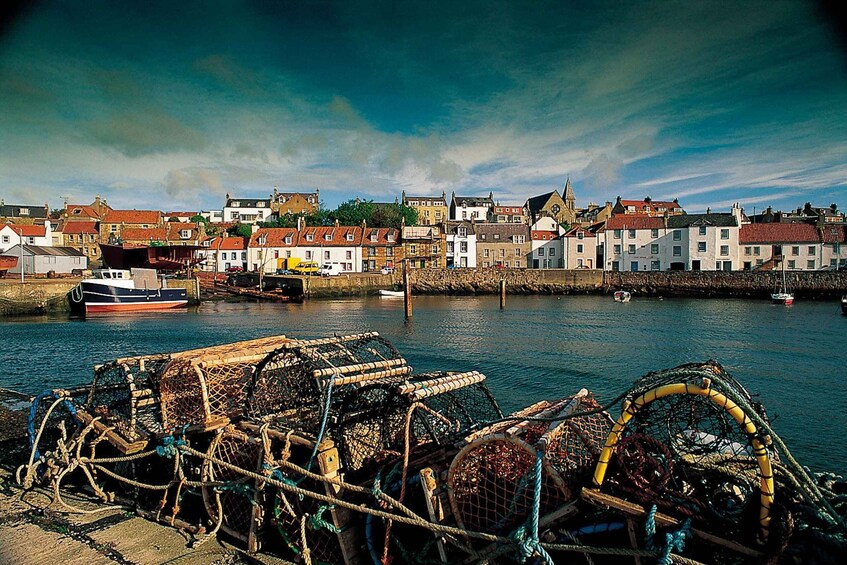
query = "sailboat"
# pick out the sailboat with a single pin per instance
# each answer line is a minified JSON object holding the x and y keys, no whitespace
{"x":782,"y":296}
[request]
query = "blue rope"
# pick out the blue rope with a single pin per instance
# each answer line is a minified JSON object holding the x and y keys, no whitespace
{"x":323,"y":422}
{"x":277,"y":474}
{"x":33,"y":414}
{"x":169,"y":446}
{"x":527,"y":535}
{"x":673,"y":540}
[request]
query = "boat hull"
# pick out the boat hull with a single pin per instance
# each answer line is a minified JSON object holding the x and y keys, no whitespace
{"x":392,"y":293}
{"x":844,"y":305}
{"x":105,"y":298}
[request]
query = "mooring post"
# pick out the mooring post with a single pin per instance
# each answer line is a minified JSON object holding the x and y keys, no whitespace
{"x":502,"y":294}
{"x":407,"y":289}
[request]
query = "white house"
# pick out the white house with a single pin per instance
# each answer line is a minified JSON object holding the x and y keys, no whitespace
{"x":247,"y":210}
{"x":39,"y":260}
{"x":471,"y":208}
{"x":333,"y":244}
{"x":547,"y":251}
{"x":269,"y":247}
{"x":580,"y":248}
{"x":39,"y":235}
{"x":799,"y":245}
{"x":834,"y":254}
{"x":461,"y":244}
{"x":220,"y":254}
{"x":213,"y":216}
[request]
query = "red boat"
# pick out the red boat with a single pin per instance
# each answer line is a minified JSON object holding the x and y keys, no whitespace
{"x":7,"y":262}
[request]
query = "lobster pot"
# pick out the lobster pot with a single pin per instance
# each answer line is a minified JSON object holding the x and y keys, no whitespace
{"x":376,"y":421}
{"x":692,"y":451}
{"x":205,"y":387}
{"x":293,"y":382}
{"x":236,"y":499}
{"x":574,"y":445}
{"x":491,"y":481}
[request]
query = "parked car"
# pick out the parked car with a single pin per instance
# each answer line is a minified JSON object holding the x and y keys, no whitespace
{"x":305,"y":268}
{"x":386,"y":270}
{"x":234,"y":269}
{"x":330,"y":270}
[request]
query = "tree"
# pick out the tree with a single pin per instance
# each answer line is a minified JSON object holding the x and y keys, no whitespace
{"x":173,"y":219}
{"x":197,"y":218}
{"x":240,"y":230}
{"x":393,"y":216}
{"x":353,"y":212}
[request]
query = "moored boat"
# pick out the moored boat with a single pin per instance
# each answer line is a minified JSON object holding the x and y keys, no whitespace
{"x":119,"y":290}
{"x":391,"y":293}
{"x":844,"y":304}
{"x":782,"y":294}
{"x":622,"y":296}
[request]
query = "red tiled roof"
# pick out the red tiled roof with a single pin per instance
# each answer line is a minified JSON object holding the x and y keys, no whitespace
{"x":132,"y":217}
{"x":80,"y":227}
{"x":229,"y":243}
{"x":778,"y":233}
{"x":585,"y":233}
{"x":833,"y":234}
{"x":144,"y":234}
{"x":275,"y":237}
{"x":180,"y":214}
{"x":84,"y":211}
{"x":544,"y":235}
{"x":28,"y":230}
{"x":634,"y":222}
{"x":381,"y":236}
{"x":175,"y":227}
{"x":332,"y":236}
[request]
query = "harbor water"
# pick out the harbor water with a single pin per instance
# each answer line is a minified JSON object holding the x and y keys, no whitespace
{"x":539,"y":347}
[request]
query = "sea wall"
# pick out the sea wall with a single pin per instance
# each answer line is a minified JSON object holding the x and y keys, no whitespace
{"x":192,"y":286}
{"x":518,"y":281}
{"x":347,"y":285}
{"x":35,"y":296}
{"x":582,"y":281}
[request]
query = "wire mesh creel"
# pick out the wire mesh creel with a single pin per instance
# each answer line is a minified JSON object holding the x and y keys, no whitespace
{"x":206,"y":387}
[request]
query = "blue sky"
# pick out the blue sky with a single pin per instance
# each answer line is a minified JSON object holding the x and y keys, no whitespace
{"x":173,"y":105}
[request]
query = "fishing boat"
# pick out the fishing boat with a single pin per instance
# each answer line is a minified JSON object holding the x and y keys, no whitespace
{"x":782,"y":295}
{"x":7,"y":262}
{"x":622,"y":296}
{"x":120,"y":290}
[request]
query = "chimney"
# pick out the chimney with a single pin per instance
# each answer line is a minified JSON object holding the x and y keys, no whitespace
{"x":665,"y":215}
{"x":336,"y":220}
{"x":708,"y":210}
{"x":299,"y":223}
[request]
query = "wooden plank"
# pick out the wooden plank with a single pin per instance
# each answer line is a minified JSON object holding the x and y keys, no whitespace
{"x":433,"y":507}
{"x":122,"y":445}
{"x":607,"y":501}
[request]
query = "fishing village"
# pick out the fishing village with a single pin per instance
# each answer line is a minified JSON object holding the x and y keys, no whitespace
{"x":381,"y":283}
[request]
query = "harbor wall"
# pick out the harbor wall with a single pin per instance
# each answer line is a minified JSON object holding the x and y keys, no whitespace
{"x":347,"y":285}
{"x":809,"y":284}
{"x":35,"y":296}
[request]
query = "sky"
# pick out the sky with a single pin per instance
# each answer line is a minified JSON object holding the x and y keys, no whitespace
{"x":172,"y":105}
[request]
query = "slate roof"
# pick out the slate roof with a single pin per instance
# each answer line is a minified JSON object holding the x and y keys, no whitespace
{"x":505,"y":231}
{"x":248,"y":202}
{"x":14,"y":211}
{"x":719,"y":220}
{"x":536,"y":203}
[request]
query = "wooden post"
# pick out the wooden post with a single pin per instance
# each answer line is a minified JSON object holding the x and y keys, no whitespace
{"x":502,"y":294}
{"x":407,"y":289}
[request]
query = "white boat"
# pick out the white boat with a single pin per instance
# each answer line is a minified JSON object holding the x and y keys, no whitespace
{"x":391,"y":293}
{"x":844,"y":304}
{"x":622,"y":296}
{"x":781,"y":295}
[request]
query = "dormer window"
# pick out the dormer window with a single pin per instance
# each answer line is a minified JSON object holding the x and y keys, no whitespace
{"x":462,"y":232}
{"x":349,"y":237}
{"x":328,"y":236}
{"x":391,"y":237}
{"x":260,"y":204}
{"x":373,"y":237}
{"x":236,"y":204}
{"x":310,"y":237}
{"x":77,"y":211}
{"x":288,"y":240}
{"x":184,"y":234}
{"x":580,"y":235}
{"x":263,"y":239}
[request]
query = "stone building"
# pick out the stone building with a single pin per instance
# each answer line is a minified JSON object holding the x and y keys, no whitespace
{"x":507,"y":214}
{"x":82,"y":236}
{"x":381,"y":248}
{"x":553,"y":205}
{"x":113,"y":224}
{"x":283,"y":203}
{"x":424,"y":247}
{"x":503,"y":245}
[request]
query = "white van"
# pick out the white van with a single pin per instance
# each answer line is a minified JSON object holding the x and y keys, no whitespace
{"x":330,"y":270}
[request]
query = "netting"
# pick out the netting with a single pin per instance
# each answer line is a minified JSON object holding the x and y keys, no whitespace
{"x":693,"y":452}
{"x":206,"y":387}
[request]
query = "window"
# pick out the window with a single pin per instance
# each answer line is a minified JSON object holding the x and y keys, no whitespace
{"x":462,"y":232}
{"x":552,"y":252}
{"x":748,"y":250}
{"x":617,"y":249}
{"x":463,"y":246}
{"x":435,"y":249}
{"x":518,"y":252}
{"x":580,"y":235}
{"x":184,"y":234}
{"x":759,"y":262}
{"x":724,"y":250}
{"x":496,"y":236}
{"x":502,"y":253}
{"x":24,"y":212}
{"x":540,"y":252}
{"x":31,"y":240}
{"x":464,"y":214}
{"x":288,"y":240}
{"x":724,"y":233}
{"x":506,"y":264}
{"x":677,"y":235}
{"x":326,"y":255}
{"x":520,"y":239}
{"x":310,"y":237}
{"x":413,"y":249}
{"x":308,"y":255}
{"x":5,"y":239}
{"x":756,"y":251}
{"x":580,"y":248}
{"x":654,"y":233}
{"x":328,"y":236}
{"x":810,"y":264}
{"x":348,"y":255}
{"x":243,"y":255}
{"x":485,"y":253}
{"x":654,"y":248}
{"x":389,"y":252}
{"x":655,"y":265}
{"x":701,"y":246}
{"x":631,"y":234}
{"x":631,"y":248}
{"x":677,"y":251}
{"x":702,"y":230}
{"x":517,"y":264}
{"x":618,"y":234}
{"x":812,"y":250}
{"x":276,"y":253}
{"x":792,"y":264}
{"x":371,"y":250}
{"x":486,"y":263}
{"x":795,"y":250}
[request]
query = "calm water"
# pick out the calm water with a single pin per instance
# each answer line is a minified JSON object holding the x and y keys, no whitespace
{"x":540,"y":347}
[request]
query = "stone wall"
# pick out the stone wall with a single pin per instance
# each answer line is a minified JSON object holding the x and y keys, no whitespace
{"x":518,"y":281}
{"x":347,"y":284}
{"x":810,"y":284}
{"x":36,"y":296}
